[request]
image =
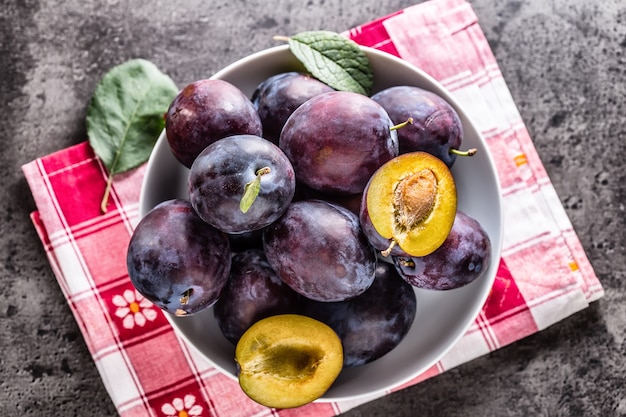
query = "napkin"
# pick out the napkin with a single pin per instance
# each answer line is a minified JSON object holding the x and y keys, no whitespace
{"x":148,"y":370}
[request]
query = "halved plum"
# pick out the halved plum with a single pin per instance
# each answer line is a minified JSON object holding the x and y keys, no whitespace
{"x":288,"y":360}
{"x":409,"y":205}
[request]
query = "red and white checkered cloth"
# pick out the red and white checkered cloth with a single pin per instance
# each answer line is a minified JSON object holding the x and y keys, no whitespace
{"x":544,"y":274}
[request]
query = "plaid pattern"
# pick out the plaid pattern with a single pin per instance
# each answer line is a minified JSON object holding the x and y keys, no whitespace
{"x":544,"y":275}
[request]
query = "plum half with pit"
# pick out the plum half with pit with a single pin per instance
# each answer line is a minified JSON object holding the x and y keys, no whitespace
{"x":176,"y":260}
{"x":461,"y":259}
{"x":241,"y":183}
{"x":337,"y":140}
{"x":253,"y":292}
{"x":319,"y":250}
{"x":408,"y":205}
{"x":205,"y":111}
{"x":436,"y":127}
{"x":279,"y":95}
{"x":373,"y":323}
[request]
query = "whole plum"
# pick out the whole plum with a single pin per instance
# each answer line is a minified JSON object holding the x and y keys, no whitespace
{"x":436,"y":127}
{"x":461,"y":259}
{"x":205,"y":111}
{"x":176,"y":260}
{"x":319,"y":250}
{"x":252,"y":293}
{"x":221,"y":174}
{"x":373,"y":323}
{"x":279,"y":95}
{"x":335,"y":141}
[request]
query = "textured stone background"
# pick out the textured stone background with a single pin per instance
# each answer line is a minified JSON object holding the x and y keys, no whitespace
{"x":564,"y":61}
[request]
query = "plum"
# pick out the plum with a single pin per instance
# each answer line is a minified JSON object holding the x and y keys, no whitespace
{"x":319,"y":250}
{"x":176,"y":260}
{"x":337,"y":140}
{"x":408,"y":205}
{"x":436,"y":127}
{"x":288,"y":360}
{"x":373,"y":323}
{"x":279,"y":95}
{"x":205,"y":111}
{"x":226,"y":171}
{"x":252,"y":293}
{"x":461,"y":259}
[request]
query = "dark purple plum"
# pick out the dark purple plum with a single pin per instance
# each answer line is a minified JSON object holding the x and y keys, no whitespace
{"x":462,"y":258}
{"x":205,"y":111}
{"x":279,"y":95}
{"x":176,"y":260}
{"x":252,"y":293}
{"x":436,"y":126}
{"x":219,"y":176}
{"x":373,"y":323}
{"x":319,"y":250}
{"x":335,"y":141}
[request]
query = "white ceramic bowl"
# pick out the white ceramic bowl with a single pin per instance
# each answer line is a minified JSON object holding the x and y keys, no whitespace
{"x":441,"y":318}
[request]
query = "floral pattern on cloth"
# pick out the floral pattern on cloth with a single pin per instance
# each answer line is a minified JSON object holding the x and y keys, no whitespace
{"x":134,"y":309}
{"x":182,"y":407}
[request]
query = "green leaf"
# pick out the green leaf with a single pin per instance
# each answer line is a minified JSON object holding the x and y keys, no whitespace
{"x":333,"y":59}
{"x":126,"y":115}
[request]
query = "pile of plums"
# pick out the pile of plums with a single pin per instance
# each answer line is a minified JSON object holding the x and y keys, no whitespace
{"x":309,"y":201}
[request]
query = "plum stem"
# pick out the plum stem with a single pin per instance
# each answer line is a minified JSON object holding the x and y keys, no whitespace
{"x":408,"y":121}
{"x":469,"y":152}
{"x":251,"y":190}
{"x":387,"y":251}
{"x":184,"y":298}
{"x":406,"y":262}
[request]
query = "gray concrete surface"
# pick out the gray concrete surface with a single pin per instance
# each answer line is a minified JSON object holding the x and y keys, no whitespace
{"x":564,"y":61}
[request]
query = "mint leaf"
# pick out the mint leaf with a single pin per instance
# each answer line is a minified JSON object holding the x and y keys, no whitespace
{"x":333,"y":59}
{"x":125,"y":115}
